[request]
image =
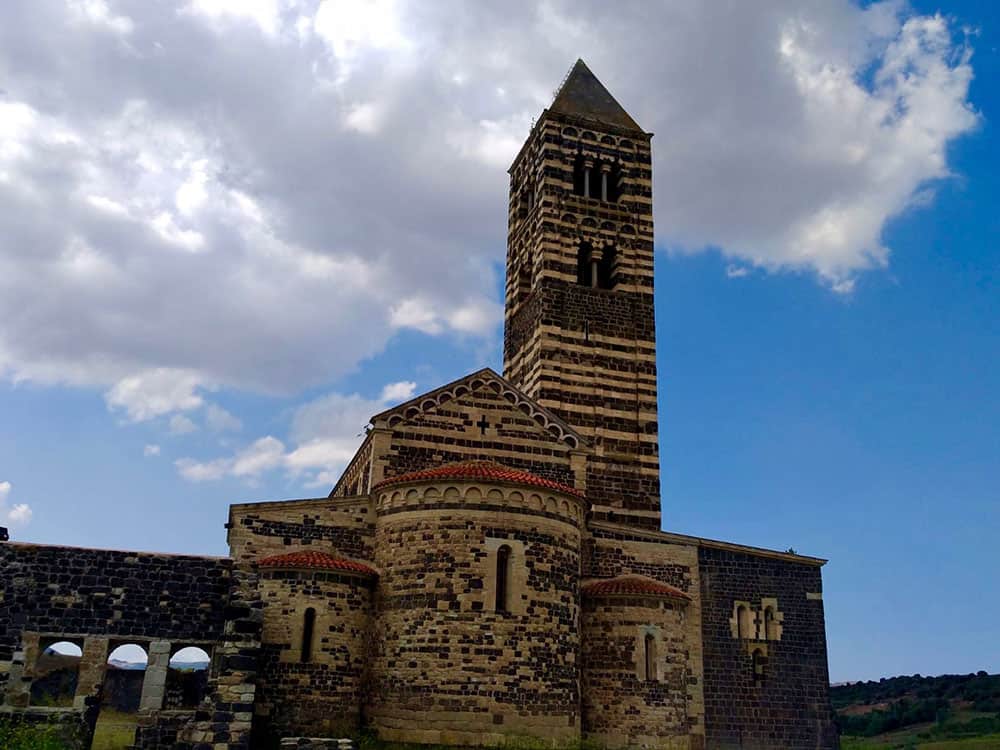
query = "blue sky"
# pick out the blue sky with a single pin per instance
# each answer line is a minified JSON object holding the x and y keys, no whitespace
{"x":837,"y":396}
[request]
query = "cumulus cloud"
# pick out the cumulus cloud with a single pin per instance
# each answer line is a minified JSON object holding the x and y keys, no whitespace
{"x":154,"y":393}
{"x":17,"y":515}
{"x":257,"y":194}
{"x":325,"y":434}
{"x":151,"y":449}
{"x":181,"y":425}
{"x":220,"y":420}
{"x":734,"y":271}
{"x":401,"y":391}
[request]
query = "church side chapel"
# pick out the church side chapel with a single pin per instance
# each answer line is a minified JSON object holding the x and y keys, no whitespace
{"x":490,"y":566}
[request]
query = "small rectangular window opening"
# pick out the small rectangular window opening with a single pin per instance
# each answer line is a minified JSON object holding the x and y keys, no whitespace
{"x":503,"y":579}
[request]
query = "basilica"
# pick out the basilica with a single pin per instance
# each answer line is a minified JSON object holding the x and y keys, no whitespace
{"x":492,"y":565}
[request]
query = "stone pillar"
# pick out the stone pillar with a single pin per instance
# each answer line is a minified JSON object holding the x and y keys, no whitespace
{"x":595,"y":263}
{"x":18,"y":688}
{"x":155,"y":683}
{"x":604,"y":181}
{"x":93,"y":664}
{"x":587,"y":168}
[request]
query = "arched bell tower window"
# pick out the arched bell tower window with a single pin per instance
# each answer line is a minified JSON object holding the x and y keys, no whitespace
{"x":596,"y":269}
{"x":503,"y":579}
{"x":584,"y":267}
{"x":581,"y":176}
{"x":606,"y":268}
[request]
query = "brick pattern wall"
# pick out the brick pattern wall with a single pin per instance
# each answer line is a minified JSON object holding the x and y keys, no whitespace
{"x":448,"y":668}
{"x":321,"y":697}
{"x":356,"y":479}
{"x":482,"y":425}
{"x":100,"y":597}
{"x":619,"y":550}
{"x":78,"y":591}
{"x":790,"y":708}
{"x":621,"y":707}
{"x":588,"y":354}
{"x":344,"y":526}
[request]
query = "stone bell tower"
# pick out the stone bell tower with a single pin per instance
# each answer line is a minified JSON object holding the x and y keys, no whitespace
{"x":579,"y":334}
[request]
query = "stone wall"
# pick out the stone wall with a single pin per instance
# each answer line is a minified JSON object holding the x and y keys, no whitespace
{"x":588,"y":353}
{"x":321,"y":696}
{"x":448,"y":666}
{"x":99,"y":599}
{"x":614,"y":550}
{"x":785,"y":703}
{"x":622,"y":705}
{"x":345,"y":525}
{"x":101,"y":595}
{"x":478,"y":418}
{"x":356,"y":479}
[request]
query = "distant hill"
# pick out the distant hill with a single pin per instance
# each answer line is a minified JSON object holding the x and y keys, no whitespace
{"x":184,"y":666}
{"x":129,"y":665}
{"x":872,"y":708}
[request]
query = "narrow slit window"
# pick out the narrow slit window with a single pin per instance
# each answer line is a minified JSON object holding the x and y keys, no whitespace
{"x":503,"y":579}
{"x":308,"y":625}
{"x":649,"y":656}
{"x":759,"y":664}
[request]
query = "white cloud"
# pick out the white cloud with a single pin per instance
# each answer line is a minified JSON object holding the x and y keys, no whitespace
{"x":326,"y":433}
{"x":348,"y":178}
{"x":734,"y":271}
{"x":151,"y":449}
{"x":181,"y":425}
{"x":98,"y":13}
{"x":220,"y":420}
{"x":18,"y":515}
{"x":156,"y":392}
{"x":396,"y":392}
{"x":265,"y":14}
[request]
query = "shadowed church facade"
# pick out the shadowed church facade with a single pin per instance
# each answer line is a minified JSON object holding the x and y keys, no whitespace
{"x":491,"y":563}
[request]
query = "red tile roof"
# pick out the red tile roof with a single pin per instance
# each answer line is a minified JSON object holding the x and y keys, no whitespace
{"x":485,"y":470}
{"x":632,"y":585}
{"x":315,"y":560}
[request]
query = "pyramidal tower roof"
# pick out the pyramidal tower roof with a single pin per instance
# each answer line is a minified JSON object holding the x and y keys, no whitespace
{"x":583,"y":95}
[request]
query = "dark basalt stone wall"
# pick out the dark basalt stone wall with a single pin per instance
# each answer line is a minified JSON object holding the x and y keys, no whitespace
{"x":790,"y":706}
{"x":77,"y":591}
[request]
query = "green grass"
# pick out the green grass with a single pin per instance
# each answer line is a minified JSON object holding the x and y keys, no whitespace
{"x":114,"y":730}
{"x":987,"y":742}
{"x":26,"y":737}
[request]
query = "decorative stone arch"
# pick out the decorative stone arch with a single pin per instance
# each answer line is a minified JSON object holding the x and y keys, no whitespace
{"x":55,"y":671}
{"x":514,"y":398}
{"x":742,"y":623}
{"x":772,"y":619}
{"x":186,"y":686}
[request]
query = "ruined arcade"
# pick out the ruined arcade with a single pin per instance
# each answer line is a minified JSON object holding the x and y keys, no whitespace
{"x":491,"y":565}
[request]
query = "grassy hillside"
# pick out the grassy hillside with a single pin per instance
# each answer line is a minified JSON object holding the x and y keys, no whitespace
{"x":929,"y":713}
